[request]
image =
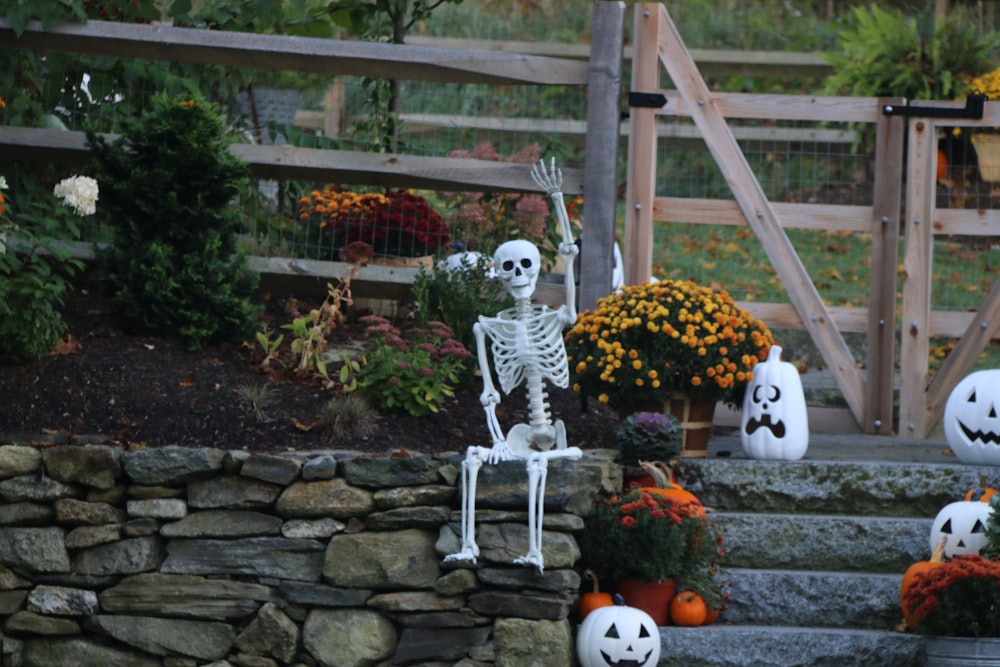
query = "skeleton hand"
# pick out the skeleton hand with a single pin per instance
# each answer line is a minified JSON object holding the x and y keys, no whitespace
{"x":549,"y":179}
{"x":569,"y":250}
{"x":500,"y":452}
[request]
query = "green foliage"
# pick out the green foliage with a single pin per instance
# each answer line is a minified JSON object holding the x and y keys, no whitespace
{"x":413,"y":371}
{"x":174,"y":268}
{"x":992,"y":548}
{"x":886,"y":53}
{"x":49,"y":12}
{"x":458,"y":298}
{"x":34,"y":276}
{"x":648,"y":436}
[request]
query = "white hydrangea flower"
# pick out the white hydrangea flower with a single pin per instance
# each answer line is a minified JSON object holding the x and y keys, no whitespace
{"x":3,"y":182}
{"x":78,"y":192}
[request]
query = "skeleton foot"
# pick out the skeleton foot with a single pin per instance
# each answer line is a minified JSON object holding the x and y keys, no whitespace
{"x":532,"y":558}
{"x":467,"y":554}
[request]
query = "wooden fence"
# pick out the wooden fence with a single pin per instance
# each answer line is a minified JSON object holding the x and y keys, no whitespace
{"x":600,"y":76}
{"x":869,"y":392}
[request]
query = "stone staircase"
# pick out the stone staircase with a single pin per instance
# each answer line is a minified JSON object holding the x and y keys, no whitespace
{"x":816,"y":551}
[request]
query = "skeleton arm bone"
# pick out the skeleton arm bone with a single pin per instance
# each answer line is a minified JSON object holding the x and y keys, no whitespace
{"x":490,"y":397}
{"x":550,"y":180}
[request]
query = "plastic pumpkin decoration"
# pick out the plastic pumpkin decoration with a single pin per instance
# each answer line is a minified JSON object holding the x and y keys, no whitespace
{"x":688,"y":609}
{"x":618,"y":635}
{"x":963,"y":525}
{"x":666,"y":485}
{"x":595,"y":599}
{"x":910,"y":576}
{"x":971,"y":419}
{"x":774,"y":424}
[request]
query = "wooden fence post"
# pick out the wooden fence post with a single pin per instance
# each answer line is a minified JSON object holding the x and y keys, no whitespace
{"x":641,"y":188}
{"x":890,"y":132}
{"x":601,"y":151}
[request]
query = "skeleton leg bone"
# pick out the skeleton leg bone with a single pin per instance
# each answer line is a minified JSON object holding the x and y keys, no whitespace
{"x":470,"y":473}
{"x":538,"y":467}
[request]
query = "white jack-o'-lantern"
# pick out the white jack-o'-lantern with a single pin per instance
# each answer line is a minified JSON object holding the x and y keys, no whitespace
{"x":971,"y":419}
{"x":618,"y":635}
{"x":774,"y":424}
{"x":962,"y":525}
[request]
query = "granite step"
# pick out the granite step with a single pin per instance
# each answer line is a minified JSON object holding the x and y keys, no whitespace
{"x":777,"y":646}
{"x":823,"y":542}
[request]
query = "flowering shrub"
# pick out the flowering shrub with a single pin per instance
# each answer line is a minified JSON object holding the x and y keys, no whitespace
{"x":959,"y":598}
{"x":413,"y":371}
{"x":34,"y":279}
{"x":648,"y":436}
{"x":482,"y":221}
{"x":987,"y":84}
{"x":396,"y":224}
{"x":653,"y":537}
{"x":653,"y":340}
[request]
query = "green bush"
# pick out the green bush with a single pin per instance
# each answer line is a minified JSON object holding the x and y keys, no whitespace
{"x":174,"y":268}
{"x":459,"y":297}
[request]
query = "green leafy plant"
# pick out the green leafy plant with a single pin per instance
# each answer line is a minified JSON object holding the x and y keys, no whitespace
{"x":459,"y":297}
{"x":36,"y":267}
{"x":653,"y":537}
{"x":310,"y":332}
{"x":174,"y":267}
{"x":412,"y":371}
{"x":884,"y":52}
{"x":648,"y":436}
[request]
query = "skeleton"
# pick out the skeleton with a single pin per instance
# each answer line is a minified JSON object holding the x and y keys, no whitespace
{"x":527,"y":346}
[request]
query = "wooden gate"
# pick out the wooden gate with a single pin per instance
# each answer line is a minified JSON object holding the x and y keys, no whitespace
{"x":869,"y":394}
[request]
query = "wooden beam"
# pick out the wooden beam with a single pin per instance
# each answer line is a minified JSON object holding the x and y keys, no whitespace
{"x":918,"y":258}
{"x":601,"y":152}
{"x":880,"y":365}
{"x":813,"y":108}
{"x":818,"y":217}
{"x":313,"y":164}
{"x":637,"y":251}
{"x":960,"y":360}
{"x":758,"y":211}
{"x":299,"y":54}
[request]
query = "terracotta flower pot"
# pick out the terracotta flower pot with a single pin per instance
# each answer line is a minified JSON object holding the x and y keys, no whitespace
{"x":653,"y":597}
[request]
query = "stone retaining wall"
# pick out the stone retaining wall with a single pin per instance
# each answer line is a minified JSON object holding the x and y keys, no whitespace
{"x":175,"y":557}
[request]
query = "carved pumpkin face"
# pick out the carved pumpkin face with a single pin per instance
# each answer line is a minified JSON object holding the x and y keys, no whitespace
{"x":774,"y":424}
{"x":963,"y":526}
{"x":972,"y":418}
{"x":618,"y":636}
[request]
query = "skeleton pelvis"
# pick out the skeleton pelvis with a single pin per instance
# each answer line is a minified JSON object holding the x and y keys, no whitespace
{"x":522,"y":439}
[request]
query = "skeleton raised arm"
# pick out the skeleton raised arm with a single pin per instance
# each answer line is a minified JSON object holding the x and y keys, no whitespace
{"x":550,"y":180}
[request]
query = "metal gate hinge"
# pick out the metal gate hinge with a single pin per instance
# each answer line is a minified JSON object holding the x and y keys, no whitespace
{"x":973,"y":110}
{"x":647,"y":100}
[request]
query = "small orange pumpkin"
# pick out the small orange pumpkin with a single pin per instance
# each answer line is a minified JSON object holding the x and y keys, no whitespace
{"x":688,"y":609}
{"x":595,"y":599}
{"x":942,"y":165}
{"x":667,"y":486}
{"x":937,"y":558}
{"x":982,"y":492}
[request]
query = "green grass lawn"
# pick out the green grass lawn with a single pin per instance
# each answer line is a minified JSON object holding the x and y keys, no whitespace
{"x":839,"y":264}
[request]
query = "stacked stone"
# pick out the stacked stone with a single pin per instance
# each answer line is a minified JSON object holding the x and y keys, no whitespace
{"x":175,"y":557}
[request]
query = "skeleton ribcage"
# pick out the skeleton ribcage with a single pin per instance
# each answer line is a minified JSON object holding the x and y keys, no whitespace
{"x":520,"y":346}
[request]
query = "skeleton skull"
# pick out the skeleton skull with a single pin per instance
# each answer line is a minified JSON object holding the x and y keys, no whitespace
{"x":517,"y":264}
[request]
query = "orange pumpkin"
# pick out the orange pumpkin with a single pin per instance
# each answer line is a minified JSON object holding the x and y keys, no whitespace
{"x":667,"y":486}
{"x":942,"y":164}
{"x":982,"y":493}
{"x":688,"y":609}
{"x":937,"y":558}
{"x":713,"y":615}
{"x":595,"y":599}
